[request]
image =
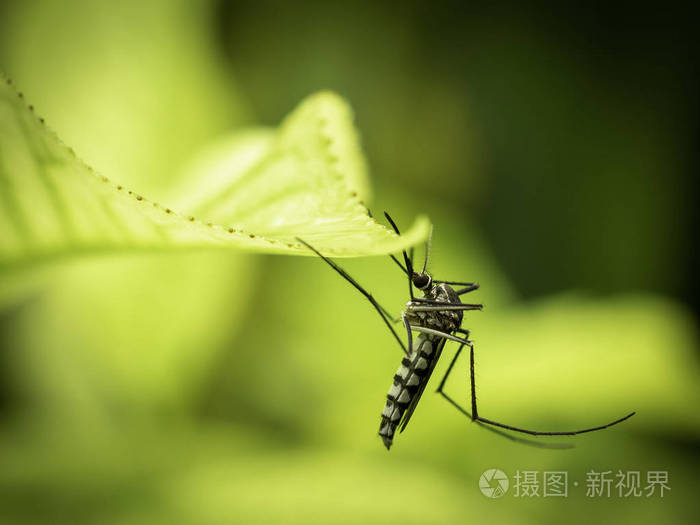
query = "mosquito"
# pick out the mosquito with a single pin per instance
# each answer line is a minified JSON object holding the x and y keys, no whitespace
{"x":436,"y":318}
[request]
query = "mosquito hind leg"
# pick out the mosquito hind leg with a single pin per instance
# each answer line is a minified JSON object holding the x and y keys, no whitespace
{"x":477,"y":417}
{"x":524,"y":441}
{"x":473,"y":416}
{"x":444,"y":380}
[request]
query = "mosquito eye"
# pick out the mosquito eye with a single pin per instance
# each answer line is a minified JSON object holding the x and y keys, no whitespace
{"x":420,"y":280}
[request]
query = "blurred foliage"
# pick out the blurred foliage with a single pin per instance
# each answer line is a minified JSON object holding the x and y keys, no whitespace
{"x":259,"y":191}
{"x":219,"y":388}
{"x":519,"y":118}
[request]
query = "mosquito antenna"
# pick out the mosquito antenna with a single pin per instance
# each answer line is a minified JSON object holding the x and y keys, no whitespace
{"x":427,"y":249}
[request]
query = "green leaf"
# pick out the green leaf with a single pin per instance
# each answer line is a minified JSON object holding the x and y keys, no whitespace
{"x":256,"y":191}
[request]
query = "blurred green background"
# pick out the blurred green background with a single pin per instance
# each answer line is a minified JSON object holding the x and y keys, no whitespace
{"x":553,"y":149}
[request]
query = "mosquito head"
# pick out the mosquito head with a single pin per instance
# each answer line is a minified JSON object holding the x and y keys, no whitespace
{"x":422,"y":280}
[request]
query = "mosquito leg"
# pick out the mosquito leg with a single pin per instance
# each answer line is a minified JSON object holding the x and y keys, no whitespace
{"x":477,"y":417}
{"x":405,"y":270}
{"x":428,"y":305}
{"x":409,"y":335}
{"x":470,"y":288}
{"x":408,"y":260}
{"x":457,"y":283}
{"x":369,"y":213}
{"x":462,"y":331}
{"x":452,"y":307}
{"x":385,"y":316}
{"x":400,"y":265}
{"x":423,"y":300}
{"x":472,"y":382}
{"x":567,"y":433}
{"x":389,"y":316}
{"x":449,"y":370}
{"x":440,"y":390}
{"x":438,"y":333}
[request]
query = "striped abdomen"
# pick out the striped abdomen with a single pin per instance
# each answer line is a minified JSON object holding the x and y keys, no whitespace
{"x":409,"y":382}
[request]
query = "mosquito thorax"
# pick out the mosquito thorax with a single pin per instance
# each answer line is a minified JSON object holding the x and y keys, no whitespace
{"x":422,"y":280}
